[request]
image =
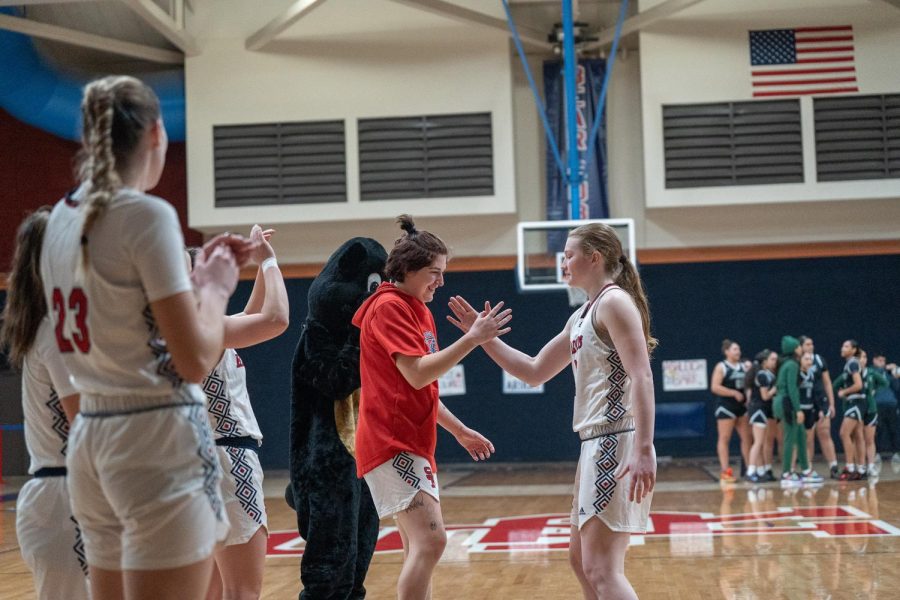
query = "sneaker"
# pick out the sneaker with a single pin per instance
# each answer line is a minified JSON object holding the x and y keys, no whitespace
{"x":754,"y":478}
{"x":769,"y":476}
{"x":727,"y":476}
{"x":862,"y":476}
{"x":835,"y":472}
{"x":895,"y":457}
{"x":846,"y":475}
{"x":790,"y":479}
{"x":854,"y":476}
{"x":812,"y":477}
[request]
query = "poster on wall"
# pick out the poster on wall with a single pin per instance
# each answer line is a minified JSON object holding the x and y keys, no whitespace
{"x":684,"y":375}
{"x":513,"y":385}
{"x":453,"y":382}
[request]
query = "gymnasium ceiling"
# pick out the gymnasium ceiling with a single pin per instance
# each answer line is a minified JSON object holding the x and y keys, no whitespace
{"x":118,"y":20}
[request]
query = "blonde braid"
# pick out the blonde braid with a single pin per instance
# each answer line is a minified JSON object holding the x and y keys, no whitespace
{"x":100,"y":164}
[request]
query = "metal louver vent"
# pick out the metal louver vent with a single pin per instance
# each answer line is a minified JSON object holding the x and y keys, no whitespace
{"x":857,"y":137}
{"x":279,"y":163}
{"x":733,"y":143}
{"x":426,"y":157}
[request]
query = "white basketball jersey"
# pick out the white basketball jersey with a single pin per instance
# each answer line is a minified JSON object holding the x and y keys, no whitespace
{"x":227,"y":400}
{"x":101,"y":312}
{"x":44,"y":382}
{"x":602,"y":388}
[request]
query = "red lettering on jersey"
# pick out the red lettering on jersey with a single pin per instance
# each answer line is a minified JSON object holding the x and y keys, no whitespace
{"x":430,"y":476}
{"x":577,"y":343}
{"x":78,"y":304}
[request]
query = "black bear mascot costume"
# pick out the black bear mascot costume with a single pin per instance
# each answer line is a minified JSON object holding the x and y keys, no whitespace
{"x":335,"y":513}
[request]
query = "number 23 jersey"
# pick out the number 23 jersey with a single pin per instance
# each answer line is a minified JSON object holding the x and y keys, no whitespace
{"x":101,"y":313}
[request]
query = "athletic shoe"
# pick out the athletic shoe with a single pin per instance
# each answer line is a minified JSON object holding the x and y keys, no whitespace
{"x":895,"y":457}
{"x":754,"y":478}
{"x":727,"y":476}
{"x":846,"y":475}
{"x":790,"y":479}
{"x":812,"y":477}
{"x":862,"y":476}
{"x":769,"y":476}
{"x":854,"y":476}
{"x":835,"y":472}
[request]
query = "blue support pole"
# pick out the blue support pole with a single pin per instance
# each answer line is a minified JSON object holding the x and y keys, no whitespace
{"x":570,"y":61}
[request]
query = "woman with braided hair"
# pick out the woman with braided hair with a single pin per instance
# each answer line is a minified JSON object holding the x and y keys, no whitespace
{"x":49,"y":537}
{"x":136,"y":334}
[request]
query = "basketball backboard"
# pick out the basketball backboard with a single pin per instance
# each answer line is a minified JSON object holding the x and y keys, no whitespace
{"x":540,"y":247}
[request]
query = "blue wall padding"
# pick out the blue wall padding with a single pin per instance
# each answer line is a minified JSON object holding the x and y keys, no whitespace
{"x":36,"y":93}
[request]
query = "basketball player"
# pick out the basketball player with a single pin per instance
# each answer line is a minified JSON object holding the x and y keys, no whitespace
{"x":865,"y":444}
{"x":854,"y":406}
{"x":400,"y":364}
{"x":727,"y":384}
{"x":607,"y":341}
{"x":786,"y":408}
{"x":48,"y":535}
{"x":241,"y":562}
{"x":762,"y":389}
{"x":824,"y":400}
{"x":136,"y":339}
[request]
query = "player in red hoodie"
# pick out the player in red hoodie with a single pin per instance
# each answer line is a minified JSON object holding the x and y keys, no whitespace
{"x":400,"y":364}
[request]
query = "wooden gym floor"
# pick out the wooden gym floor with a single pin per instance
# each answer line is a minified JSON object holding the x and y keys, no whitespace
{"x":508,"y":533}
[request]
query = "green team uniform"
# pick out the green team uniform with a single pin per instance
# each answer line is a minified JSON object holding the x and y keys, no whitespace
{"x":787,"y":405}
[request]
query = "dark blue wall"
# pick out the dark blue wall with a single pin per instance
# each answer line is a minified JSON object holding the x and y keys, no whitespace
{"x":694,"y":307}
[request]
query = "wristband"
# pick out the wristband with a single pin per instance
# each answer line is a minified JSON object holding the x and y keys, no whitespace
{"x":269,"y":263}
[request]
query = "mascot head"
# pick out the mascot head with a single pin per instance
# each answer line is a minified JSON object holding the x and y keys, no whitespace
{"x":351,"y":274}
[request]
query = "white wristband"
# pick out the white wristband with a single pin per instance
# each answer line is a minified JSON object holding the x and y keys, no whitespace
{"x":268,"y":264}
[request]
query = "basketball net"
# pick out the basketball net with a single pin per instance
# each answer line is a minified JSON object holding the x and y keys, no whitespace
{"x":577,"y":296}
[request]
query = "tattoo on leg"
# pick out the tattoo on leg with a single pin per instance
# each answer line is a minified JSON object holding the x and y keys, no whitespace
{"x":416,"y":503}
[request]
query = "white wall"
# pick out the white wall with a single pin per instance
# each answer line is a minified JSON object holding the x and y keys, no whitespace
{"x":702,"y":55}
{"x":404,"y":60}
{"x":348,"y":59}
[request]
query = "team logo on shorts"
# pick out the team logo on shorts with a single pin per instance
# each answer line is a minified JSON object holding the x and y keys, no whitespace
{"x":431,"y":342}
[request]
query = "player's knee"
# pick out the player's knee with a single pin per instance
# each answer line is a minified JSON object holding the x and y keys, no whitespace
{"x":599,"y":574}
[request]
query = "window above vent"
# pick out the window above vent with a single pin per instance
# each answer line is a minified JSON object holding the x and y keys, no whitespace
{"x":857,"y":137}
{"x":733,"y":143}
{"x":426,"y":157}
{"x":279,"y":163}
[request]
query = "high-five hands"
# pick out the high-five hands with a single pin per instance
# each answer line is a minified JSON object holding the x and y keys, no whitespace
{"x":479,"y":327}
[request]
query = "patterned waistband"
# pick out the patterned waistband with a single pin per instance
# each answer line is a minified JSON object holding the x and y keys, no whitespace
{"x":245,"y":441}
{"x":50,"y":472}
{"x":594,"y":431}
{"x":94,"y":406}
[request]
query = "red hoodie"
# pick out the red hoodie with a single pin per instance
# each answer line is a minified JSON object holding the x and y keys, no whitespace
{"x":394,"y":417}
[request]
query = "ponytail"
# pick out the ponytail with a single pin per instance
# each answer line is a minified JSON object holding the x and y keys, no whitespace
{"x":116,"y":112}
{"x":101,"y":162}
{"x":25,"y":305}
{"x":600,"y":237}
{"x":629,"y":280}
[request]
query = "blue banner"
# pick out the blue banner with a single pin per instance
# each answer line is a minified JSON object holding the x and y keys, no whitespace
{"x":593,"y":190}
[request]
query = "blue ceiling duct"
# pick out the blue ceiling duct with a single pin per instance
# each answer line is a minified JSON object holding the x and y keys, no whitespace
{"x":34,"y":92}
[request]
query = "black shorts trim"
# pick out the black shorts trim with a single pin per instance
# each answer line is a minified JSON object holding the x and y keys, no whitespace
{"x":106,"y":414}
{"x":50,"y":472}
{"x":246,"y":442}
{"x":729,"y":408}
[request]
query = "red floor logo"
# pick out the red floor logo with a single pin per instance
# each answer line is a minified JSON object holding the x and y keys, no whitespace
{"x":542,"y":533}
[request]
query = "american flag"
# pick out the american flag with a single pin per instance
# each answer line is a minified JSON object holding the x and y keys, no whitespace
{"x":802,"y":61}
